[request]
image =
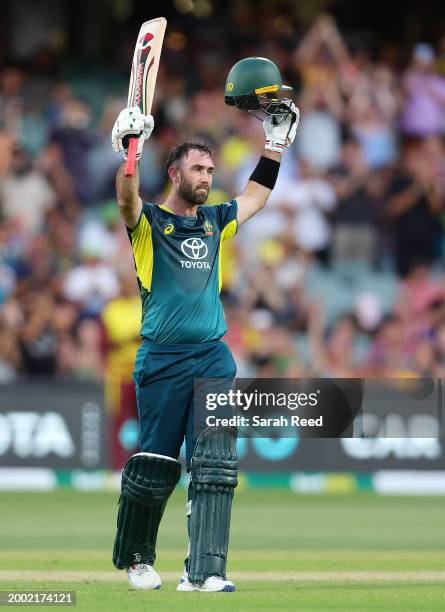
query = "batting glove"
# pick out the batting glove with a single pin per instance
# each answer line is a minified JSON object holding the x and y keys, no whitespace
{"x":280,"y":131}
{"x":131,"y":123}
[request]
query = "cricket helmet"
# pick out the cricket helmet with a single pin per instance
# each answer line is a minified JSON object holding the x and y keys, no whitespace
{"x":252,"y":85}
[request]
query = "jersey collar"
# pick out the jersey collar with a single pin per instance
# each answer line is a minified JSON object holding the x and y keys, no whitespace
{"x":164,"y":207}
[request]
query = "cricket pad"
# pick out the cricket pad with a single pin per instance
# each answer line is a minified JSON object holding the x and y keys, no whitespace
{"x":214,"y":470}
{"x":147,"y":482}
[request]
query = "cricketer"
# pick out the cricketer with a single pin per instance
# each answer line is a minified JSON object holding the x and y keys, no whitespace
{"x":176,"y":248}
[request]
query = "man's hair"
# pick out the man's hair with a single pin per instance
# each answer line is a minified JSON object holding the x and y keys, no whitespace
{"x":178,"y":153}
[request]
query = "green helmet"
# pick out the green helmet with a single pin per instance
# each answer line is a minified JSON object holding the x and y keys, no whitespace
{"x":252,"y":85}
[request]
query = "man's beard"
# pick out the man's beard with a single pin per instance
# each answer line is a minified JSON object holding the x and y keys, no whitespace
{"x":190,"y":195}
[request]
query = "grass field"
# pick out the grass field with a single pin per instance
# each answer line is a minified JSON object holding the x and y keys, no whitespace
{"x":288,"y":552}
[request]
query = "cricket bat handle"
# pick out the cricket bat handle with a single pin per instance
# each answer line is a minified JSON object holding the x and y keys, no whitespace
{"x":131,"y":156}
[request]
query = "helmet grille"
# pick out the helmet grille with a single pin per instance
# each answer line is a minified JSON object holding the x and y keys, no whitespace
{"x":245,"y":103}
{"x":259,"y":105}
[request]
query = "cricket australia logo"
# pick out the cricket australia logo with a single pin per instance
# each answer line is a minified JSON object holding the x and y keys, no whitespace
{"x":194,"y":249}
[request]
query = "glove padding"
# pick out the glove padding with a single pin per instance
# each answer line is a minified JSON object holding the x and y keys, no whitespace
{"x":280,"y":131}
{"x":131,"y":123}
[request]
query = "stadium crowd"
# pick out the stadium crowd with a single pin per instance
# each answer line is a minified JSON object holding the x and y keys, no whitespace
{"x":341,"y":274}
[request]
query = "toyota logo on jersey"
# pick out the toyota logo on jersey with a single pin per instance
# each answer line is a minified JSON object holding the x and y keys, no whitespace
{"x":194,"y":248}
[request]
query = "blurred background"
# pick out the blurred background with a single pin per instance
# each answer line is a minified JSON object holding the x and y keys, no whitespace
{"x":341,"y":275}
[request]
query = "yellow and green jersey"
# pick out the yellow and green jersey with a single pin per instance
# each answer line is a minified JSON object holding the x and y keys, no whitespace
{"x":178,"y":265}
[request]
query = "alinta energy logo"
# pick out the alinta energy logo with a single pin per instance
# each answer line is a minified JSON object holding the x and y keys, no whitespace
{"x":195,"y":249}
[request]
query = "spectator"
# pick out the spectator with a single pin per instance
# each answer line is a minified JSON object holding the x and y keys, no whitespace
{"x":88,"y":363}
{"x":313,"y":198}
{"x":334,"y":355}
{"x":75,"y":138}
{"x":390,"y":350}
{"x":91,"y":284}
{"x":37,"y":337}
{"x":423,"y":110}
{"x":25,"y":194}
{"x":373,"y":133}
{"x":121,"y":320}
{"x":413,"y":209}
{"x":12,"y":81}
{"x":319,"y":135}
{"x":9,"y":354}
{"x":355,"y":218}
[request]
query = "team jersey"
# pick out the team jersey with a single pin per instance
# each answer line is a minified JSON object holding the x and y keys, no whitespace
{"x":178,"y":265}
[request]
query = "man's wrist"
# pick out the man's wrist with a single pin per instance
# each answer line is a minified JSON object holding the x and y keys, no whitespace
{"x":275,"y":155}
{"x":266,"y":171}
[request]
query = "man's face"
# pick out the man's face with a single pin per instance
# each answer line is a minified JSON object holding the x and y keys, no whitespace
{"x":194,"y":178}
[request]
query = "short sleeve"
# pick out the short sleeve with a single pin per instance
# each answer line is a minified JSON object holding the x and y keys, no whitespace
{"x":142,"y":245}
{"x":147,"y":213}
{"x":226,"y":217}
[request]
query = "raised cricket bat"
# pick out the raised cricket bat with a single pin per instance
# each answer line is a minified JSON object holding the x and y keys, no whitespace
{"x":144,"y":70}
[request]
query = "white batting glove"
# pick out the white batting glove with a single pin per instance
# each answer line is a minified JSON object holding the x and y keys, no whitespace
{"x":280,"y":131}
{"x":131,"y":122}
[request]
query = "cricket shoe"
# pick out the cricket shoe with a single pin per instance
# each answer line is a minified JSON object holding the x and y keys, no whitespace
{"x":213,"y":584}
{"x":143,"y":576}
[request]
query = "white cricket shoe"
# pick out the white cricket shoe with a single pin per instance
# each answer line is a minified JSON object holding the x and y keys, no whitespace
{"x":143,"y":576}
{"x":213,"y":584}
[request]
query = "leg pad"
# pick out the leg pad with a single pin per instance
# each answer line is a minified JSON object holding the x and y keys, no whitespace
{"x":147,"y":482}
{"x":214,"y":470}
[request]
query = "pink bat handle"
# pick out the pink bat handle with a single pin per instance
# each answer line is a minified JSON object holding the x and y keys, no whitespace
{"x":131,"y":156}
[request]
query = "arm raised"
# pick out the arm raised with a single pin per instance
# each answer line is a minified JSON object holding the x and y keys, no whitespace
{"x":130,"y":123}
{"x":128,"y":200}
{"x":255,"y":195}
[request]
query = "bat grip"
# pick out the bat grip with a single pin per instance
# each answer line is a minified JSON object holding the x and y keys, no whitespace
{"x":131,"y":156}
